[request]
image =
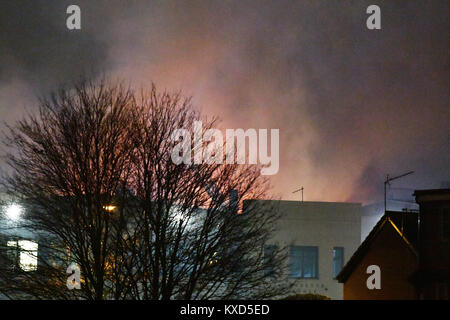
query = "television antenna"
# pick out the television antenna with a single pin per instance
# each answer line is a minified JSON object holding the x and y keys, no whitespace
{"x":301,"y":189}
{"x":387,"y":182}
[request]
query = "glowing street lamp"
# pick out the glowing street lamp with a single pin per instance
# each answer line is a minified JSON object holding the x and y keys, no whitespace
{"x":13,"y":212}
{"x":109,"y":208}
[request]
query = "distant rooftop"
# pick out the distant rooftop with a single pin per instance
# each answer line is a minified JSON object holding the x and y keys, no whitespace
{"x":299,"y":202}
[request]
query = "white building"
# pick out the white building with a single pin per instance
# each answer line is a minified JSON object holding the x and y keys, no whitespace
{"x":321,"y":237}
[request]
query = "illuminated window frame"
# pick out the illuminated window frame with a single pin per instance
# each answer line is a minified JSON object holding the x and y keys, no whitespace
{"x":25,"y":254}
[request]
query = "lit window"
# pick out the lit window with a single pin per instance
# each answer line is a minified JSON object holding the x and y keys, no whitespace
{"x":304,"y":262}
{"x":338,"y":260}
{"x":23,"y":253}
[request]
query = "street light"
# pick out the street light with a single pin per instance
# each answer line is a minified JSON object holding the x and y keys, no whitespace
{"x":13,"y":211}
{"x":109,"y":208}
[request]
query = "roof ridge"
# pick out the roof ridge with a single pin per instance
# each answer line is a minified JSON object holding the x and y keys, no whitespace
{"x":361,"y":250}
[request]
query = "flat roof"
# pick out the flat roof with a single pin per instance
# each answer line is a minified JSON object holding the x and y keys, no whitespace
{"x":431,"y":191}
{"x":297,"y":202}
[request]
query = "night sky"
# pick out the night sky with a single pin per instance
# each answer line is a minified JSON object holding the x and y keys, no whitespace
{"x":352,"y":104}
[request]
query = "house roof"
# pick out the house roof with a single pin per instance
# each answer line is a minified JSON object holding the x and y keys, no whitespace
{"x":431,"y":191}
{"x":386,"y":221}
{"x":432,"y":195}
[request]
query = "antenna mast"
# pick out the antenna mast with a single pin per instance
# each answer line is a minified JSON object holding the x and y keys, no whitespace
{"x":301,"y":189}
{"x":387,"y":182}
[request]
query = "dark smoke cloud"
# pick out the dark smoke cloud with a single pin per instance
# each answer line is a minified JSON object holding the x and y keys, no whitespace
{"x":37,"y":48}
{"x":351,"y":104}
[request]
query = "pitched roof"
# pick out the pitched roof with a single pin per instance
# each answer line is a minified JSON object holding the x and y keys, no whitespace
{"x":363,"y":249}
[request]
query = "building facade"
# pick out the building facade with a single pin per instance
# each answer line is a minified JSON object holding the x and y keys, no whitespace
{"x":394,"y":256}
{"x":320,"y":237}
{"x":433,"y":275}
{"x":411,"y":251}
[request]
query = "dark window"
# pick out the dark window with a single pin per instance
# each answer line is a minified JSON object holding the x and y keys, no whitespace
{"x":269,"y":251}
{"x":442,"y":291}
{"x":338,"y":260}
{"x":304,"y":262}
{"x":446,"y":223}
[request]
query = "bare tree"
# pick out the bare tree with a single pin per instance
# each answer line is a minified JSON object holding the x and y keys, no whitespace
{"x":94,"y":173}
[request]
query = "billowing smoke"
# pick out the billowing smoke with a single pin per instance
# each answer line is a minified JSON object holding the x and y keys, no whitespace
{"x":351,"y":104}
